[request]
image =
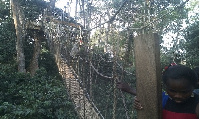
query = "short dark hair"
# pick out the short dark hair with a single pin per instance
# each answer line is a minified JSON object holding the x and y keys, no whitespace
{"x":178,"y":72}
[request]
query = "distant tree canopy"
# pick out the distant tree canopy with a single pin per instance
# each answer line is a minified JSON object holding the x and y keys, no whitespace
{"x":184,"y":47}
{"x":191,"y":45}
{"x":43,"y":95}
{"x":33,"y":8}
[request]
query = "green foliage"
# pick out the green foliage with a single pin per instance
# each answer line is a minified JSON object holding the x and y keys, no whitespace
{"x":7,"y":39}
{"x":43,"y":96}
{"x":184,"y":47}
{"x":33,"y":8}
{"x":47,"y":61}
{"x":191,"y":44}
{"x":101,"y":89}
{"x":7,"y":35}
{"x":40,"y":97}
{"x":4,"y":10}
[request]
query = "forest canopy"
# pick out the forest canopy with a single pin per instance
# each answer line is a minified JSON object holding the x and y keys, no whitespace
{"x":101,"y":35}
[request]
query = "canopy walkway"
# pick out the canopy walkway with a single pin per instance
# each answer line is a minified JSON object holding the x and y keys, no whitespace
{"x":95,"y":50}
{"x":52,"y":26}
{"x":91,"y":66}
{"x":65,"y":39}
{"x":84,"y":106}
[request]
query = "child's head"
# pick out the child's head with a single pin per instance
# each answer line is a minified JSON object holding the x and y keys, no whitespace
{"x":180,"y":82}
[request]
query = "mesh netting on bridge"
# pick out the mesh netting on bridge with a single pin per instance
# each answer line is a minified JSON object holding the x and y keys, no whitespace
{"x":96,"y":63}
{"x":94,"y":50}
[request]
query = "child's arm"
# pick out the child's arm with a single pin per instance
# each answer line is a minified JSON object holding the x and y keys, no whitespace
{"x":126,"y":88}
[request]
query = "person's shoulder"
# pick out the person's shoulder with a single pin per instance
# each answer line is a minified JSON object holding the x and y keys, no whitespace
{"x":165,"y":97}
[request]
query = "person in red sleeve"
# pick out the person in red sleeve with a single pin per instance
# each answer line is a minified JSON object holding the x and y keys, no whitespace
{"x":179,"y":101}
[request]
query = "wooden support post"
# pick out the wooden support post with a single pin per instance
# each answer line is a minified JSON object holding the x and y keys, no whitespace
{"x":148,"y":74}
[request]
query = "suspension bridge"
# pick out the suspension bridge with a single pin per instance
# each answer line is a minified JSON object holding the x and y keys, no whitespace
{"x":66,"y":38}
{"x":91,"y":68}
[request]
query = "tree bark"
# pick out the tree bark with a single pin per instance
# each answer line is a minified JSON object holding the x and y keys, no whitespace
{"x":36,"y":52}
{"x":18,"y":17}
{"x":148,"y":74}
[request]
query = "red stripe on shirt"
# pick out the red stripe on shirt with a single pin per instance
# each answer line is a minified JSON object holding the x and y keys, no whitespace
{"x":173,"y":115}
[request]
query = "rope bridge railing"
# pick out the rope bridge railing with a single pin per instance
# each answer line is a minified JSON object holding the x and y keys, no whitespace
{"x":84,"y":106}
{"x":98,"y":52}
{"x":91,"y":80}
{"x":86,"y":69}
{"x":93,"y":90}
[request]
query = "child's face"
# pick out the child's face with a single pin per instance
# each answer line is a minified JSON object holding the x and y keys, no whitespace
{"x":179,"y":90}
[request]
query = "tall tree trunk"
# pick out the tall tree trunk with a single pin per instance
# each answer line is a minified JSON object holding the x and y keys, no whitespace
{"x":36,"y":52}
{"x":18,"y":17}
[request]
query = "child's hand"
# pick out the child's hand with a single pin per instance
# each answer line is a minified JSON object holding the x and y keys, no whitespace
{"x":137,"y":104}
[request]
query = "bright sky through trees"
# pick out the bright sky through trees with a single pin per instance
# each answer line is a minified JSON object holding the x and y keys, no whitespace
{"x":71,"y":6}
{"x":192,"y":4}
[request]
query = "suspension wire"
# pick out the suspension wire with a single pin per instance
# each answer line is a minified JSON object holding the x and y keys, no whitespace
{"x":102,"y":75}
{"x":115,"y":61}
{"x":122,"y":95}
{"x":91,"y":80}
{"x":121,"y":67}
{"x":115,"y":82}
{"x":86,"y":94}
{"x":96,"y":70}
{"x":112,"y":18}
{"x":123,"y":98}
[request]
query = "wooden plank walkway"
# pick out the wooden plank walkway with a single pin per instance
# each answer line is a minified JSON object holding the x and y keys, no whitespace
{"x":83,"y":105}
{"x":85,"y":108}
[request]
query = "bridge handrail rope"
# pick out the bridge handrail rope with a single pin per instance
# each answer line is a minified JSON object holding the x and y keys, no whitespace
{"x":96,"y":70}
{"x":105,"y":77}
{"x":57,"y":30}
{"x":54,"y":22}
{"x":115,"y":62}
{"x":120,"y":66}
{"x":123,"y":98}
{"x":85,"y":93}
{"x":109,"y":77}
